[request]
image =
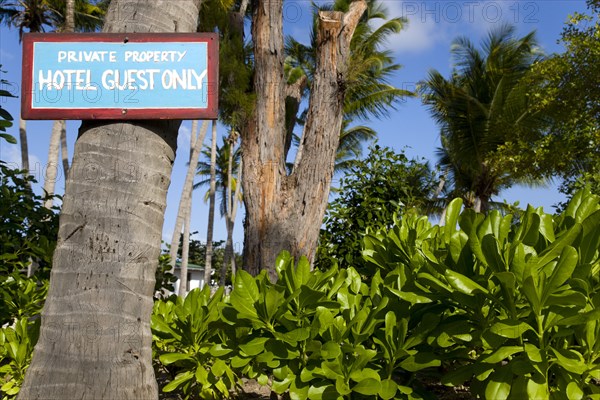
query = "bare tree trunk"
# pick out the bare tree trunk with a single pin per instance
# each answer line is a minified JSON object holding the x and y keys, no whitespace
{"x":70,"y":16}
{"x":229,"y":255}
{"x":64,"y":149}
{"x":211,"y":205}
{"x":95,"y":339}
{"x":185,"y":253}
{"x":228,"y":202}
{"x":24,"y":146}
{"x":186,"y":194}
{"x":285,"y":212}
{"x":185,"y":243}
{"x":51,"y":169}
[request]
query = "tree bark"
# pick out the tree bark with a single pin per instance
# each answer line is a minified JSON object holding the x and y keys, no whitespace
{"x":211,"y":205}
{"x":63,"y":148}
{"x":51,"y":169}
{"x":185,"y":242}
{"x":95,"y":338}
{"x":70,"y":16}
{"x":186,"y":194}
{"x":229,"y":256}
{"x":285,"y":212}
{"x":24,"y":146}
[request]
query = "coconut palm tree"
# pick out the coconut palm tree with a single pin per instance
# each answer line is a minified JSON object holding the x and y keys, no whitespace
{"x":221,"y":174}
{"x":217,"y":170}
{"x":39,"y":16}
{"x":479,"y":109}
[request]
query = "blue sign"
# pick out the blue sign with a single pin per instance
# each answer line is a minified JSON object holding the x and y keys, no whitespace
{"x":123,"y":75}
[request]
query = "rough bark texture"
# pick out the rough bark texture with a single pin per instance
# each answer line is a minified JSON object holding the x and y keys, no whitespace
{"x":186,"y":194}
{"x":23,"y":142}
{"x":70,"y":16}
{"x":211,"y":205}
{"x":51,"y":170}
{"x":95,"y":339}
{"x":285,"y":212}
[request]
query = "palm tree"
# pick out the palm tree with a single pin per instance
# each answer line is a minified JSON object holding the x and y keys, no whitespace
{"x":38,"y":16}
{"x":217,"y":170}
{"x":221,"y":168}
{"x":480,"y":108}
{"x":369,"y":93}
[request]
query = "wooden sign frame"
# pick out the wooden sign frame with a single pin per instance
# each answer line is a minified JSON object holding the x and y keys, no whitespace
{"x":119,"y":112}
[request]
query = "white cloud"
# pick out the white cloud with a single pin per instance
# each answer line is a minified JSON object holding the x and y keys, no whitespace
{"x":425,"y":28}
{"x":183,"y":139}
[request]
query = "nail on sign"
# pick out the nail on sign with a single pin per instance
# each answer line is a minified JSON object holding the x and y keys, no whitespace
{"x":120,"y":76}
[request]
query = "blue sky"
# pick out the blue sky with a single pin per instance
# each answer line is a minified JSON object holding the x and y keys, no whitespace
{"x":424,"y":44}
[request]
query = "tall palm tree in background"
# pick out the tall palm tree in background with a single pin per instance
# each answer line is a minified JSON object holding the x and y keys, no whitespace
{"x":480,"y":108}
{"x":369,"y":93}
{"x":221,"y":171}
{"x":220,"y":174}
{"x":39,"y":16}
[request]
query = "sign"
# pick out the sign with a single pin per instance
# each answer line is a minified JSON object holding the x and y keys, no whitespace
{"x":120,"y":76}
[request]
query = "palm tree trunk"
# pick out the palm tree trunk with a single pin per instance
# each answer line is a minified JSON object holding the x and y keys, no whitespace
{"x":95,"y":340}
{"x":231,"y":144}
{"x":229,"y":255}
{"x":185,"y":252}
{"x":70,"y":16}
{"x":186,"y":194}
{"x":63,"y":148}
{"x":185,"y":243}
{"x":52,"y":165}
{"x":211,"y":205}
{"x":24,"y":146}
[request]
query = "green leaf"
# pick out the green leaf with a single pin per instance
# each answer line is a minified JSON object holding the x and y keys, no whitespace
{"x":245,"y":294}
{"x":562,"y":271}
{"x":180,"y":379}
{"x":9,"y":138}
{"x":170,"y":358}
{"x":574,"y":392}
{"x":510,"y":329}
{"x":420,"y":361}
{"x":410,"y":297}
{"x":499,"y":384}
{"x":538,"y":391}
{"x":570,"y":360}
{"x":463,"y":284}
{"x":501,"y":354}
{"x":388,"y":389}
{"x":255,"y":346}
{"x":451,"y":219}
{"x":368,"y":387}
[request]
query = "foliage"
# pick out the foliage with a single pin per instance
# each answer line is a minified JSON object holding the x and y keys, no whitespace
{"x":511,"y":310}
{"x":481,"y":108}
{"x":28,"y":230}
{"x":38,"y":15}
{"x":187,"y":343}
{"x":5,"y":117}
{"x":164,"y":279}
{"x":564,"y":89}
{"x":368,"y":92}
{"x":222,"y":176}
{"x":373,"y":190}
{"x":16,"y":347}
{"x":518,"y":304}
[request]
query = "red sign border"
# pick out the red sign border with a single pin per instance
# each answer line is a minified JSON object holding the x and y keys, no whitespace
{"x":120,"y":113}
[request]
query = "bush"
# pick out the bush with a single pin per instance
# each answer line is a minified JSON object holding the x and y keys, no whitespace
{"x":509,"y":310}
